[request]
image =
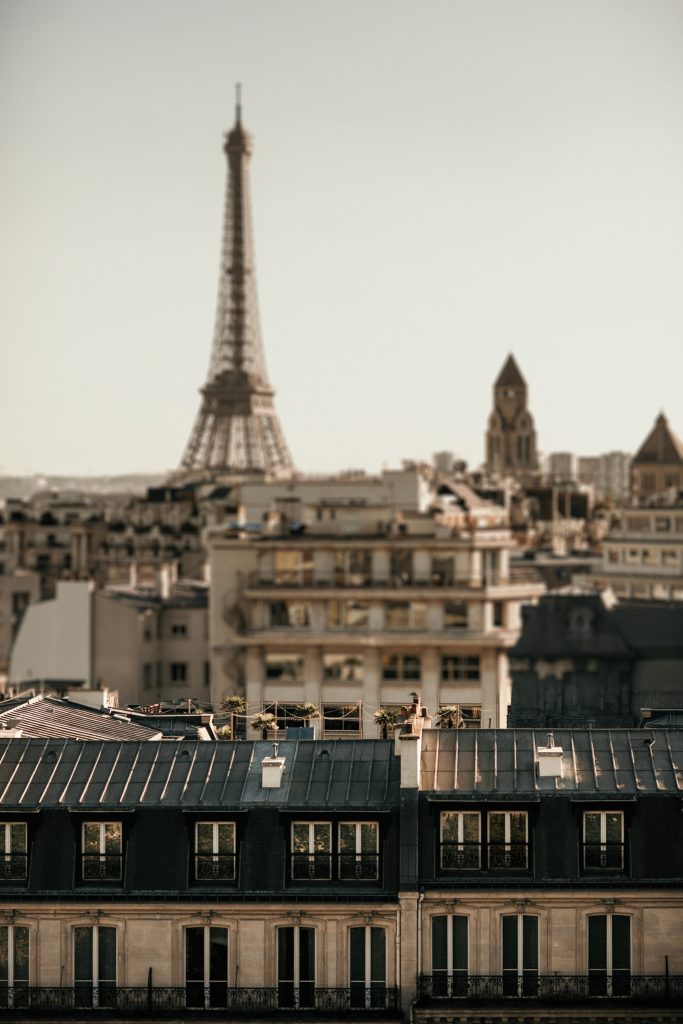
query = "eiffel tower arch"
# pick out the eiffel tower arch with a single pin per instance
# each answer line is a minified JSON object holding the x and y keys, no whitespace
{"x":236,"y":432}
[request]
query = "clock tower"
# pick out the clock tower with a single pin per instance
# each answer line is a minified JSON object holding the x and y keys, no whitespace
{"x":511,"y":437}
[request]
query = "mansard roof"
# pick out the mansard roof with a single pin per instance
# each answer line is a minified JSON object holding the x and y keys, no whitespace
{"x":42,"y":717}
{"x":500,"y":764}
{"x":339,"y":774}
{"x":510,"y":375}
{"x":661,"y":445}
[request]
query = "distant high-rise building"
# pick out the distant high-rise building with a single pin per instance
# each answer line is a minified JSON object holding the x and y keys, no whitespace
{"x":511,"y":437}
{"x":237,"y":432}
{"x":658,"y":464}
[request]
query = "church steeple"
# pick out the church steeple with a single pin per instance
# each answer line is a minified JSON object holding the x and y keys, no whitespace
{"x":510,"y":438}
{"x":237,"y":432}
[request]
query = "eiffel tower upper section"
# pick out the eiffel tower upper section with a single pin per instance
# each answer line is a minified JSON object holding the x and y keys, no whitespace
{"x":237,"y":432}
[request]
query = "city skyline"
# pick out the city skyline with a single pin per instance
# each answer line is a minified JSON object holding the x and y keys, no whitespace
{"x":432,"y":190}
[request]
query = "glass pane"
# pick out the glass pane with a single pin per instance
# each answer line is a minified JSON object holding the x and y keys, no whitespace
{"x":4,"y":954}
{"x":299,"y":838}
{"x":194,"y":954}
{"x":204,"y":837}
{"x":107,"y":954}
{"x":471,"y":827}
{"x":530,"y":943}
{"x":510,"y":960}
{"x":91,"y":837}
{"x":357,"y":954}
{"x":18,"y":838}
{"x":368,"y":837}
{"x":449,"y":826}
{"x":518,"y":827}
{"x":613,"y":829}
{"x":285,"y":954}
{"x":592,"y":827}
{"x":378,"y":954}
{"x":347,"y":838}
{"x":497,"y":828}
{"x":621,"y":942}
{"x":597,"y":942}
{"x":439,"y":943}
{"x":321,"y":837}
{"x":218,"y":954}
{"x":112,"y":837}
{"x":83,"y":954}
{"x":21,"y":951}
{"x":460,"y":951}
{"x":306,"y":954}
{"x":226,"y":837}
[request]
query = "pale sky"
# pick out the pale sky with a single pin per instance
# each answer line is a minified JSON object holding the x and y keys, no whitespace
{"x":435,"y":184}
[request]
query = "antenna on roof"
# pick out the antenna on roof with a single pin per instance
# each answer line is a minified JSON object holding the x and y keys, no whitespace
{"x":238,"y":102}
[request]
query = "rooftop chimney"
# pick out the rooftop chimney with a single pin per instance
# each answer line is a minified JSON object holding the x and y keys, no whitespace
{"x":271,"y":770}
{"x":549,"y":760}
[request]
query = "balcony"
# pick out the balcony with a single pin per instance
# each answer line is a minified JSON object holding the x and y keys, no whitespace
{"x":595,"y":988}
{"x":196,"y":1000}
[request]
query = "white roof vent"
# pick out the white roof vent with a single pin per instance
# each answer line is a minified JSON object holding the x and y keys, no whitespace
{"x":271,"y":770}
{"x":549,"y":760}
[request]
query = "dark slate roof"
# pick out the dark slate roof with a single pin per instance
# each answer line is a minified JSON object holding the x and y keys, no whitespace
{"x":53,"y":717}
{"x":651,"y":625}
{"x":660,"y":446}
{"x":548,"y":629}
{"x":510,"y":375}
{"x":500,"y":763}
{"x":340,"y":774}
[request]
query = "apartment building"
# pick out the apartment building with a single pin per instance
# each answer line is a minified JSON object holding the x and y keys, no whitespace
{"x":352,"y":605}
{"x":450,"y":874}
{"x":643,"y":554}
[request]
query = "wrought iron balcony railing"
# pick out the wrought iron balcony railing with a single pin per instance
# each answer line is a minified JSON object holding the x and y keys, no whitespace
{"x":146,"y":1001}
{"x":344,"y":867}
{"x":101,"y":867}
{"x":468,"y":856}
{"x":603,"y":856}
{"x":657,"y":989}
{"x":214,"y":867}
{"x":13,"y":867}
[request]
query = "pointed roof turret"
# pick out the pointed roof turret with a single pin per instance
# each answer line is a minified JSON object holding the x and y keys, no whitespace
{"x":510,"y":376}
{"x":660,"y":445}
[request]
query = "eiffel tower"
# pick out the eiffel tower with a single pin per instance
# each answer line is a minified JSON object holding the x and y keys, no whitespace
{"x":237,"y":432}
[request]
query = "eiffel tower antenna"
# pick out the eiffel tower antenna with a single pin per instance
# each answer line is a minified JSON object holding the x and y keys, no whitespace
{"x":237,"y":432}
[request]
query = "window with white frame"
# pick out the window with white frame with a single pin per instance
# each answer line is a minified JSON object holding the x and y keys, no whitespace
{"x":609,"y":955}
{"x":296,"y":967}
{"x":206,"y":966}
{"x":342,"y":720}
{"x":95,"y":966}
{"x":214,"y":851}
{"x":14,"y":965}
{"x":101,"y":850}
{"x":460,"y":839}
{"x":311,"y":849}
{"x":519,"y":947}
{"x":450,"y":955}
{"x":508,"y":845}
{"x":13,"y":850}
{"x":358,"y":849}
{"x":367,"y":968}
{"x":603,"y":840}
